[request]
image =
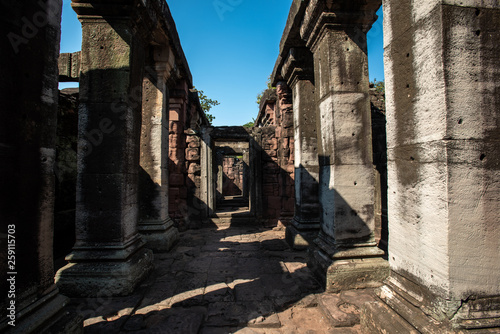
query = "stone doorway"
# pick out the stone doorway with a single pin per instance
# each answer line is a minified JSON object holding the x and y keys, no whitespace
{"x":230,"y":187}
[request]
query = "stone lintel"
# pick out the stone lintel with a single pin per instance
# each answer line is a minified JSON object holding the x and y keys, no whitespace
{"x":290,"y":38}
{"x":152,"y":20}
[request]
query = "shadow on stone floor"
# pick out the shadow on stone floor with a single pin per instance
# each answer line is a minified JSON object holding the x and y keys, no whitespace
{"x":213,"y":281}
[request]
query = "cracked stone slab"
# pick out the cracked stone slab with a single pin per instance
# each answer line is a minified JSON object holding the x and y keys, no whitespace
{"x":340,"y":313}
{"x":228,"y":314}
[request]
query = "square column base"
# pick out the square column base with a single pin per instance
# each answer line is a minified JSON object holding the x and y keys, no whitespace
{"x":406,"y":307}
{"x":339,"y":274}
{"x":160,"y":236}
{"x":105,"y":278}
{"x":300,"y":239}
{"x":45,"y":315}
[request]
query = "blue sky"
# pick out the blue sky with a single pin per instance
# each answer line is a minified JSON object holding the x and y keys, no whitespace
{"x":231,"y":47}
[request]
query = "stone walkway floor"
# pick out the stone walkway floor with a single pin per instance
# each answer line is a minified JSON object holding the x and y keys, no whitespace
{"x":234,"y":280}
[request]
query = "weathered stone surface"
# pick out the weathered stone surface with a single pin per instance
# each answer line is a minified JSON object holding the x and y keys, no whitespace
{"x":108,"y":160}
{"x":28,"y":119}
{"x":69,"y":66}
{"x":437,"y":156}
{"x":95,"y":279}
{"x":155,"y":225}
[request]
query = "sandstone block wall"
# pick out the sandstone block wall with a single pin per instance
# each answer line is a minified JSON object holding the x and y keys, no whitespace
{"x":277,"y":150}
{"x":232,"y":168}
{"x":186,"y":120}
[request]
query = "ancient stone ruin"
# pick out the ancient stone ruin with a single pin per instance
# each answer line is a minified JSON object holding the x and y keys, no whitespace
{"x":394,"y":206}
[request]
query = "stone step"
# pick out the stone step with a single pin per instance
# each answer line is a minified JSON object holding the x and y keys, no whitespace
{"x":234,"y":214}
{"x":233,"y":221}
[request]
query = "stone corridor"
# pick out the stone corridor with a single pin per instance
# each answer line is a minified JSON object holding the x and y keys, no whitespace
{"x":226,"y":280}
{"x":124,"y":178}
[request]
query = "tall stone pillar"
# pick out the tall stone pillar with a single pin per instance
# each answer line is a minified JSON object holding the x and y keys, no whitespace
{"x":178,"y":104}
{"x":31,"y":302}
{"x":207,"y":175}
{"x":284,"y":136}
{"x":108,"y":257}
{"x":298,"y":70}
{"x":155,"y":225}
{"x":345,"y":255}
{"x":442,"y":86}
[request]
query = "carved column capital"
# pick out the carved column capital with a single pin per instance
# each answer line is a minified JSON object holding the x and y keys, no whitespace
{"x":164,"y":63}
{"x":298,"y":66}
{"x":354,"y":15}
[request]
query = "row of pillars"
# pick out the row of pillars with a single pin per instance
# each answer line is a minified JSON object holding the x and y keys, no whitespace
{"x":122,"y":183}
{"x":122,"y":152}
{"x":441,"y":68}
{"x":334,"y":172}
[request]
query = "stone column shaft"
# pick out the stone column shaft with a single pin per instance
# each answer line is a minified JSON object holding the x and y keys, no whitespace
{"x":285,"y":152}
{"x":155,"y":225}
{"x":31,"y":302}
{"x":442,"y":82}
{"x":178,"y":104}
{"x":298,"y":69}
{"x":346,"y":255}
{"x":108,"y":256}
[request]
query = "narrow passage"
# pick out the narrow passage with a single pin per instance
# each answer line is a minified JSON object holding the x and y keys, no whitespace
{"x":227,"y":280}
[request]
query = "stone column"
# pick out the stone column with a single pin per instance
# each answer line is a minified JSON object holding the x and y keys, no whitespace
{"x":345,"y":255}
{"x":31,"y":302}
{"x":178,"y":104}
{"x":155,"y":225}
{"x":442,"y":86}
{"x":298,"y":69}
{"x":108,"y":257}
{"x":285,"y":153}
{"x":207,"y":175}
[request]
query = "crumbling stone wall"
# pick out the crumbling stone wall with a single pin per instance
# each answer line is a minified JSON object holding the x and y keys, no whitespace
{"x":232,"y":167}
{"x":284,"y":134}
{"x":195,"y":121}
{"x":178,"y":153}
{"x":271,"y":197}
{"x":186,"y":121}
{"x":277,"y":150}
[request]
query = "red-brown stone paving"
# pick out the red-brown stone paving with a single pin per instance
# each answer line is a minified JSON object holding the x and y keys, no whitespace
{"x":231,"y":280}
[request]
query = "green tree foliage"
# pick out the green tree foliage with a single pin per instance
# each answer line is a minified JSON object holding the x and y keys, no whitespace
{"x":378,"y":85}
{"x":207,"y":104}
{"x":269,"y":86}
{"x":249,"y":124}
